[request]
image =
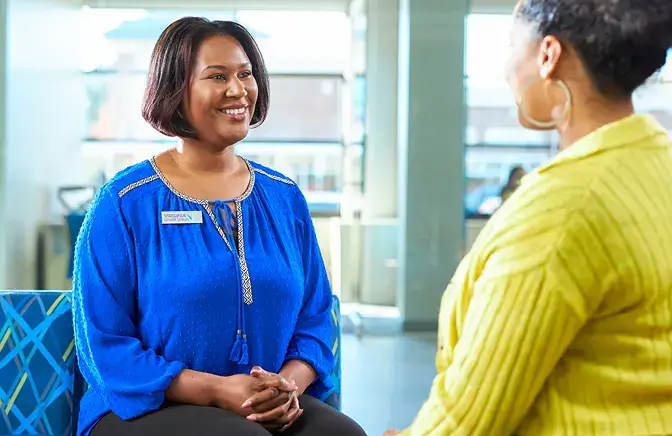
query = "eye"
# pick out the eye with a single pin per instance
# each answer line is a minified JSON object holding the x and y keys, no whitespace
{"x":218,"y":77}
{"x":245,"y":74}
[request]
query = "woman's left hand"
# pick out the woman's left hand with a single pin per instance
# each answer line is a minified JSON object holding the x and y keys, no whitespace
{"x":273,"y":409}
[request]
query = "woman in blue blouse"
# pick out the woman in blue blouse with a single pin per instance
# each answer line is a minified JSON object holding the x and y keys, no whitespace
{"x":201,"y":301}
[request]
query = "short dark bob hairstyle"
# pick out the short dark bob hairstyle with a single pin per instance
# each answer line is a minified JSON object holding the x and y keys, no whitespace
{"x":171,"y":66}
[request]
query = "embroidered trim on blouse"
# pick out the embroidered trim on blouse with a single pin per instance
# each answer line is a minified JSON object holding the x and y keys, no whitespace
{"x":276,"y":178}
{"x":207,"y":205}
{"x":201,"y":201}
{"x":137,"y":184}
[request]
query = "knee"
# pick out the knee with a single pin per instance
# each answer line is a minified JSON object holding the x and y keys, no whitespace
{"x":207,"y":421}
{"x":323,"y":420}
{"x":330,"y":422}
{"x":345,"y":425}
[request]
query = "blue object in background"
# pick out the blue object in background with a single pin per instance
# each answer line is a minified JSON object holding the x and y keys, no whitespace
{"x":474,"y":199}
{"x":74,"y":221}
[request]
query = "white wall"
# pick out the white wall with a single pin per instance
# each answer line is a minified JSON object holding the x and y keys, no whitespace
{"x":44,"y":119}
{"x":3,"y":44}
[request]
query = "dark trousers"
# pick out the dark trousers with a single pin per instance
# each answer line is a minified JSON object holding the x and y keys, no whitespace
{"x":318,"y":419}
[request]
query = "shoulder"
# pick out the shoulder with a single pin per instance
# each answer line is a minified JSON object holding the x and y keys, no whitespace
{"x":282,"y":187}
{"x":548,"y":215}
{"x":265,"y":174}
{"x":279,"y":184}
{"x":112,"y":200}
{"x":130,"y":181}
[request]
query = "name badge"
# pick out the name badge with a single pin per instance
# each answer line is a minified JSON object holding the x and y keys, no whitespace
{"x":188,"y":217}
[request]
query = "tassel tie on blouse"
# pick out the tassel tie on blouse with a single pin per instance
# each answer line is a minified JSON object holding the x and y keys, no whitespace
{"x":231,"y":223}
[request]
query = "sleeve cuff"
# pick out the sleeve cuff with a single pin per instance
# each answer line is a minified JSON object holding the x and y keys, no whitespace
{"x":136,"y":405}
{"x":322,"y":369}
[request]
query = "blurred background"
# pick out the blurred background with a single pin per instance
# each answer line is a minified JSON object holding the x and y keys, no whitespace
{"x":393,"y":116}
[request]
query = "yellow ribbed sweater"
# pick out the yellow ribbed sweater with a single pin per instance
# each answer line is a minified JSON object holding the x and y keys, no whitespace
{"x":559,"y":320}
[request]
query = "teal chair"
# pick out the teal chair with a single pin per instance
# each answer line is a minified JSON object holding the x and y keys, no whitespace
{"x":40,"y":385}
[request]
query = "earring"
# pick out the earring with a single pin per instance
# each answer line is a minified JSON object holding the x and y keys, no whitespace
{"x":547,"y":124}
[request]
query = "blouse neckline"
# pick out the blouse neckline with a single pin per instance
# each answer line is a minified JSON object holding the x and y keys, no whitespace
{"x":201,"y":201}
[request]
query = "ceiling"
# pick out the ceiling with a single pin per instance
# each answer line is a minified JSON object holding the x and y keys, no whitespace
{"x":325,"y":5}
{"x":493,"y":6}
{"x":480,"y":6}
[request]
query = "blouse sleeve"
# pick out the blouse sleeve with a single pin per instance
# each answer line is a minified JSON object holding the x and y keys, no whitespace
{"x":313,"y":335}
{"x":524,"y":310}
{"x":516,"y":330}
{"x":130,"y":377}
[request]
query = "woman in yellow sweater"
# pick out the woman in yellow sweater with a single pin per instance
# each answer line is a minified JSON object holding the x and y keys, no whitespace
{"x":559,"y":320}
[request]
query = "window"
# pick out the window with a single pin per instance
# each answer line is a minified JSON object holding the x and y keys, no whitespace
{"x":301,"y":42}
{"x":303,"y":109}
{"x":359,"y":109}
{"x":309,"y":58}
{"x":495,"y":141}
{"x":656,"y":96}
{"x":309,"y":110}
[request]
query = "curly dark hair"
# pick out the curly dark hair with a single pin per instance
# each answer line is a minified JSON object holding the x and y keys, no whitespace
{"x":170,"y":68}
{"x":621,"y":43}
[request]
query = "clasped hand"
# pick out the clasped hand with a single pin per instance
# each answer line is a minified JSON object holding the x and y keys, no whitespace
{"x":273,"y":401}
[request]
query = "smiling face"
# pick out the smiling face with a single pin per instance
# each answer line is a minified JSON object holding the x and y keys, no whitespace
{"x":222,"y":92}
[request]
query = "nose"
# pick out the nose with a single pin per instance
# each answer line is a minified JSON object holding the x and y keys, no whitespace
{"x":236,"y":89}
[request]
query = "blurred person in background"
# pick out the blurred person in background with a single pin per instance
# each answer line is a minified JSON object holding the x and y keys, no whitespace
{"x":491,"y":205}
{"x":513,"y":182}
{"x":201,"y":301}
{"x":559,"y":320}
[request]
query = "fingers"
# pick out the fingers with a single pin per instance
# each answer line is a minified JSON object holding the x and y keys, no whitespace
{"x":293,"y":417}
{"x":271,"y":404}
{"x":294,"y":414}
{"x":270,"y":380}
{"x":261,"y":397}
{"x":273,"y":414}
{"x":267,"y":379}
{"x":258,"y":371}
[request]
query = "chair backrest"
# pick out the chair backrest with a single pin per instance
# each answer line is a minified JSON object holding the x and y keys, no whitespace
{"x":37,"y":360}
{"x":40,"y":386}
{"x":333,"y":398}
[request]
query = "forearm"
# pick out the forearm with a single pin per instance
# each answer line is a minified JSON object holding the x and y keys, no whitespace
{"x":300,"y":372}
{"x":197,"y":388}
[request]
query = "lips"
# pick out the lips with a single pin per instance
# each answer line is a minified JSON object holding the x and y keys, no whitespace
{"x":234,"y":111}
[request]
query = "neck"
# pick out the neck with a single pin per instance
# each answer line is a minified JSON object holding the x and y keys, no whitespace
{"x":197,"y":157}
{"x":586,"y":119}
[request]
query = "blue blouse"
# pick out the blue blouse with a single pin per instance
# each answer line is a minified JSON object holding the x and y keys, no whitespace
{"x":161,"y":284}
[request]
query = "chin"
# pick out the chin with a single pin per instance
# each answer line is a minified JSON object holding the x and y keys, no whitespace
{"x":524,"y":122}
{"x":234,"y":136}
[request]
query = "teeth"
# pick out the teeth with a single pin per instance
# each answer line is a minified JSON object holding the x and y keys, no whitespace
{"x":235,"y":111}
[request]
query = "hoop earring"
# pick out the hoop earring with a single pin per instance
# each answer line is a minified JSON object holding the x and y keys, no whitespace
{"x":547,"y":124}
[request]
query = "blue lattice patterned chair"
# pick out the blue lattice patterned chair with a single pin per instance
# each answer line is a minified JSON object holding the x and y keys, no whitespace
{"x":39,"y":384}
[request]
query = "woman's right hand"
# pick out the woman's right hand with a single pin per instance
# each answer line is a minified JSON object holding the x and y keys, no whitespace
{"x":234,"y":390}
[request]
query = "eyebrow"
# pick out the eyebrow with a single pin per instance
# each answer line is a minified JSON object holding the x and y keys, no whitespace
{"x":224,"y":67}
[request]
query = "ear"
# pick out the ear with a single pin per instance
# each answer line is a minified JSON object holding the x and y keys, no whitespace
{"x":550,"y":51}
